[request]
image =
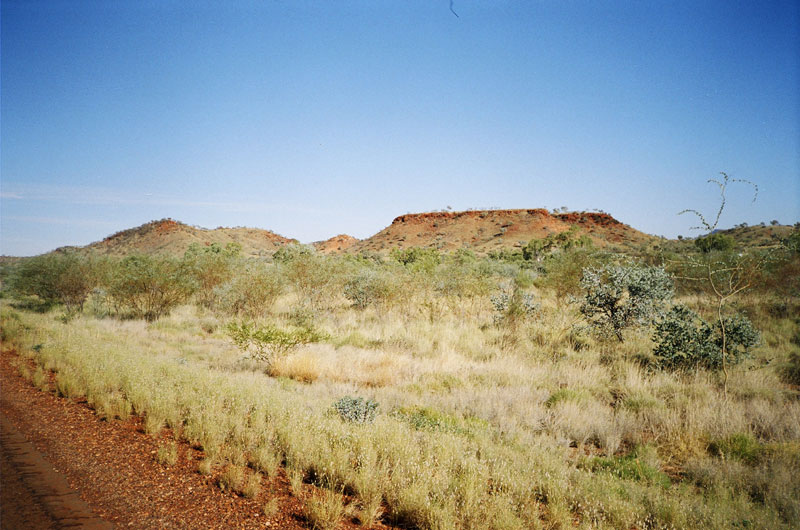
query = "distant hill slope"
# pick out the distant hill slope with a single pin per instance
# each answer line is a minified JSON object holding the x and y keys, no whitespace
{"x":480,"y":230}
{"x":173,"y":237}
{"x":763,"y":236}
{"x":486,"y":230}
{"x":336,"y":244}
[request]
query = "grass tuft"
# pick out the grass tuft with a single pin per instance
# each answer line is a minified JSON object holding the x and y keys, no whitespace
{"x":324,"y":511}
{"x":167,"y":454}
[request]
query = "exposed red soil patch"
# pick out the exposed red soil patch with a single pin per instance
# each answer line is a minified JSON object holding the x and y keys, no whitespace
{"x":34,"y":495}
{"x":113,"y":465}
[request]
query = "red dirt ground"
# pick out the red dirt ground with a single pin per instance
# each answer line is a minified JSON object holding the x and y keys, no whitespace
{"x":113,"y":467}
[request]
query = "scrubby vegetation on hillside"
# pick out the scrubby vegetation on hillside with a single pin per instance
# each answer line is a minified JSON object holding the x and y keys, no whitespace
{"x":549,"y":386}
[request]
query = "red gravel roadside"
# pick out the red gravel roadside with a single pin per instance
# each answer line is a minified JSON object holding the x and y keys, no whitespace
{"x":113,"y":466}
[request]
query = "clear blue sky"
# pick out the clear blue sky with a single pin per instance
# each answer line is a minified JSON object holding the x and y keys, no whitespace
{"x":317,"y":118}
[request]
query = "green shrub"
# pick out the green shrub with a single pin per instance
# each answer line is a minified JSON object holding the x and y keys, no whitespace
{"x":462,"y":281}
{"x":684,"y":340}
{"x":59,"y":277}
{"x":562,"y":271}
{"x":536,"y":249}
{"x":252,"y":291}
{"x":620,"y":296}
{"x":792,"y":242}
{"x":269,"y":342}
{"x":417,"y":258}
{"x":714,"y":242}
{"x":291,"y":252}
{"x":430,"y":419}
{"x":370,"y":287}
{"x":150,"y":287}
{"x":356,"y":410}
{"x":210,"y":266}
{"x":317,"y":279}
{"x":741,"y":446}
{"x":639,"y":465}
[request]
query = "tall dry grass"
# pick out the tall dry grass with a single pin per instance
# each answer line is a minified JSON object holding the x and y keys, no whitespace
{"x":542,"y":425}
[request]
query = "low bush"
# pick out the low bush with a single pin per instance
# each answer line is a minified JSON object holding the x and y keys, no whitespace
{"x":268,"y":342}
{"x":356,"y":410}
{"x":210,"y":266}
{"x":740,"y":446}
{"x":620,"y":296}
{"x":371,"y":288}
{"x":640,"y":465}
{"x":714,"y":242}
{"x":317,"y":280}
{"x":684,"y":340}
{"x":417,"y":258}
{"x":513,"y":306}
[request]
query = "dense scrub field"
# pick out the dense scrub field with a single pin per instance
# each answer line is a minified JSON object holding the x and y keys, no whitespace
{"x":547,"y":388}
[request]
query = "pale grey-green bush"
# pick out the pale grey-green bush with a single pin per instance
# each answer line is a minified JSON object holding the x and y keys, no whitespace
{"x":620,"y":296}
{"x":684,"y":340}
{"x":356,"y":409}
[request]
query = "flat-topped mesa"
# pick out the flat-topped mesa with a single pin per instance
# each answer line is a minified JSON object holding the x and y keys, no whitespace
{"x":598,"y":218}
{"x":427,"y":216}
{"x":486,"y":230}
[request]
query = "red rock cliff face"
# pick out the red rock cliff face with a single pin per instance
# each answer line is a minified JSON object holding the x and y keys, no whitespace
{"x":485,"y":230}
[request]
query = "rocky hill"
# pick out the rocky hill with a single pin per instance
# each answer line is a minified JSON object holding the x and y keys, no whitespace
{"x":336,"y":244}
{"x":173,"y":237}
{"x":487,"y":230}
{"x":479,"y":230}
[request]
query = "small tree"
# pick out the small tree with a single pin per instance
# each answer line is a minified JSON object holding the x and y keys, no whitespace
{"x":317,"y":279}
{"x":722,"y":275}
{"x":620,"y":296}
{"x":65,"y":277}
{"x":252,"y":292}
{"x":210,"y":266}
{"x":150,"y":286}
{"x":714,"y":242}
{"x":512,"y":305}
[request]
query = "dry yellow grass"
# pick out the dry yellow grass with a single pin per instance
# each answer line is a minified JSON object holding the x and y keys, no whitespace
{"x":477,"y":424}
